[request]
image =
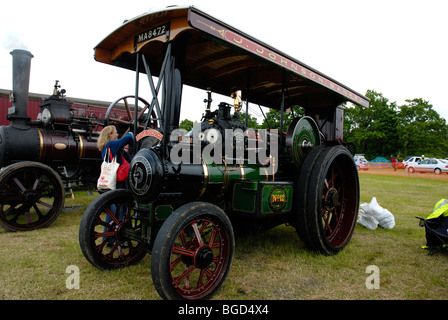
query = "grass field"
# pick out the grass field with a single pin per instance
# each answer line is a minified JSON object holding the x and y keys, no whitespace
{"x":272,"y":264}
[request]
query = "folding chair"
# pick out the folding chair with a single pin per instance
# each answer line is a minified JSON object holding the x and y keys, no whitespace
{"x":436,"y":227}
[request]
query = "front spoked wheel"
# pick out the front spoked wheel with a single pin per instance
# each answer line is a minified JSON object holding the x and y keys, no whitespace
{"x":193,"y":252}
{"x":109,"y":235}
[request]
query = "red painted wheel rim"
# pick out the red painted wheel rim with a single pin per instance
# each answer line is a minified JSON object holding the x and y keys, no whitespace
{"x":199,"y":257}
{"x":337,"y":215}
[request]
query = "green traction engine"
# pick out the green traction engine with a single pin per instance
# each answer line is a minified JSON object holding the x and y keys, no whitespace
{"x":188,"y":192}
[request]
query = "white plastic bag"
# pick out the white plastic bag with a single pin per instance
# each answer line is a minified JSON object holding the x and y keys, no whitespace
{"x":374,"y":212}
{"x":367,"y":221}
{"x":387,"y":221}
{"x":108,"y":176}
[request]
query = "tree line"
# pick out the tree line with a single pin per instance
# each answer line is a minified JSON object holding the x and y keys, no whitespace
{"x":386,"y":129}
{"x":383,"y":129}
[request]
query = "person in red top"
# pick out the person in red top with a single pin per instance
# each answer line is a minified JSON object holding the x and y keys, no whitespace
{"x":108,"y":139}
{"x":394,"y":162}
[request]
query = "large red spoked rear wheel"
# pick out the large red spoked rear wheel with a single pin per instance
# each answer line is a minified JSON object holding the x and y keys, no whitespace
{"x":328,"y":199}
{"x":193,"y":252}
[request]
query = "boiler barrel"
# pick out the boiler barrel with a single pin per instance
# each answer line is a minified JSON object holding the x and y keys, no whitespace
{"x":49,"y":147}
{"x":151,"y":179}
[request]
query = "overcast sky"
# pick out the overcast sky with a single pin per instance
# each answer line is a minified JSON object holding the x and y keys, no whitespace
{"x":398,"y":48}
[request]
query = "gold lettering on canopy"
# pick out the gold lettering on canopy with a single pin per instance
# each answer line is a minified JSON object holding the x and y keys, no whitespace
{"x":273,"y":56}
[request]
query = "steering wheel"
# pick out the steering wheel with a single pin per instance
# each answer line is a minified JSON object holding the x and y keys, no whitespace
{"x":121,"y":113}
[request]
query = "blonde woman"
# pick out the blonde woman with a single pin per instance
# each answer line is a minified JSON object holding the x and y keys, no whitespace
{"x":108,"y":140}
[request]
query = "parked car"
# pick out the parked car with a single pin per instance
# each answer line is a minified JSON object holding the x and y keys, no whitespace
{"x":429,"y":165}
{"x":362,"y":163}
{"x":411,"y":161}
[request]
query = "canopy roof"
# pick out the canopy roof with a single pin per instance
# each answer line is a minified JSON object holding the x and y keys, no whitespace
{"x":222,"y":58}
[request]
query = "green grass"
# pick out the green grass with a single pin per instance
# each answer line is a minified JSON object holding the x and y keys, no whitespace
{"x":273,"y":264}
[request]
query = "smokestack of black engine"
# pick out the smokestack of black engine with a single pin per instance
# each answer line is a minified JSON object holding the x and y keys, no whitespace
{"x":21,"y":65}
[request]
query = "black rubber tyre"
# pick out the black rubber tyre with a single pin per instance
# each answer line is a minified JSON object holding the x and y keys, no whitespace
{"x":105,"y":230}
{"x":31,"y":196}
{"x":328,"y":199}
{"x":300,"y":218}
{"x":193,"y":252}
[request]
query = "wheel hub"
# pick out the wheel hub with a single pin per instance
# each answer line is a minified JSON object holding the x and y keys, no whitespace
{"x":30,"y":197}
{"x":331,"y":199}
{"x":204,"y":257}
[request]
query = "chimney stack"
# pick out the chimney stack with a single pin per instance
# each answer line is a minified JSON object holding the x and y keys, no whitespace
{"x":21,"y":65}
